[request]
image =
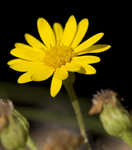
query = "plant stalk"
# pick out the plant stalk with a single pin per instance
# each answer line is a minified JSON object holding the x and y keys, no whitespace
{"x":69,"y":87}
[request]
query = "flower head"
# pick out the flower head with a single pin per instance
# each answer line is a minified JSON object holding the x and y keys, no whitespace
{"x":59,"y":52}
{"x":14,"y":128}
{"x":115,"y":119}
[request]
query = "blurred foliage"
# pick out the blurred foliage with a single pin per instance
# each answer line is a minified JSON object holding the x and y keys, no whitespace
{"x":36,"y":105}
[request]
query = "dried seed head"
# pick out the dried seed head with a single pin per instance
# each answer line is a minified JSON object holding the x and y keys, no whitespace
{"x":6,"y":108}
{"x":100,"y":99}
{"x":105,"y":95}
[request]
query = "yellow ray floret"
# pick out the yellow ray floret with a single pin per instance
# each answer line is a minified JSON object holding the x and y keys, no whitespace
{"x":59,"y":52}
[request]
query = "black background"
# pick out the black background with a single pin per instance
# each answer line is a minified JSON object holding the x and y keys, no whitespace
{"x":114,"y":71}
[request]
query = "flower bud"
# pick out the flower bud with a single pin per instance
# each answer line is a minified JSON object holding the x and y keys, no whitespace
{"x":14,"y":133}
{"x":114,"y":117}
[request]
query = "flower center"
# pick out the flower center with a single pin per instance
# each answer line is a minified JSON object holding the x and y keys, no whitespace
{"x":58,"y":56}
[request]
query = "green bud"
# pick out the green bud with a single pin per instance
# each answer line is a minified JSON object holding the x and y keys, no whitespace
{"x":15,"y":134}
{"x":114,"y":117}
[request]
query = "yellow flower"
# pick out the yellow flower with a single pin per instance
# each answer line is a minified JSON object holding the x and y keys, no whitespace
{"x":59,"y":52}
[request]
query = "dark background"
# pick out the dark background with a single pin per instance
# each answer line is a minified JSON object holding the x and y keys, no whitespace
{"x":114,"y":71}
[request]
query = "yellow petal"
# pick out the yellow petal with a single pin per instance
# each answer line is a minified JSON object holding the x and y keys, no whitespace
{"x":19,"y":65}
{"x":86,"y":59}
{"x":58,"y":29}
{"x":15,"y":61}
{"x":24,"y":78}
{"x":55,"y":86}
{"x":86,"y":44}
{"x":21,"y":45}
{"x":69,"y":31}
{"x":61,"y":73}
{"x":40,"y":72}
{"x":98,"y":48}
{"x":46,"y":32}
{"x":81,"y":31}
{"x":87,"y":69}
{"x":25,"y":46}
{"x":34,"y":42}
{"x":28,"y":53}
{"x":73,"y":66}
{"x":94,"y":49}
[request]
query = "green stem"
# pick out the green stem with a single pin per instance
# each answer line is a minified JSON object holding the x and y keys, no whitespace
{"x":30,"y":144}
{"x":69,"y":87}
{"x":127,"y":138}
